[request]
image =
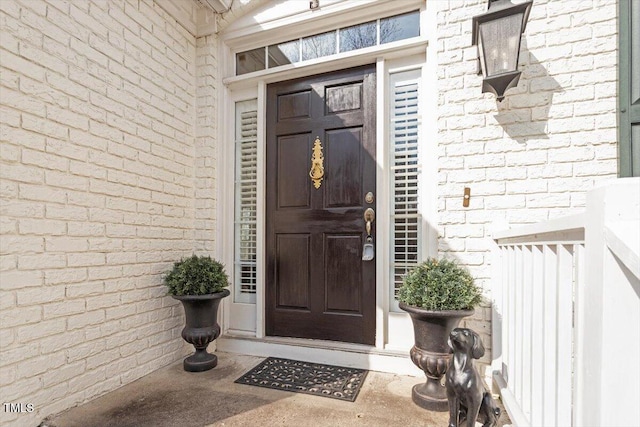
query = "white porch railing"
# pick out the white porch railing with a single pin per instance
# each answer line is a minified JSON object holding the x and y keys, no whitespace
{"x":566,"y":297}
{"x":536,"y":268}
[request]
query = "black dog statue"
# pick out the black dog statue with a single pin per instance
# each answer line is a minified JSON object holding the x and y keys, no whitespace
{"x":468,"y":399}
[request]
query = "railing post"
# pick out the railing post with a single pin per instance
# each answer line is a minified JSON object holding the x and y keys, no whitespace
{"x":607,"y":372}
{"x":497,"y":265}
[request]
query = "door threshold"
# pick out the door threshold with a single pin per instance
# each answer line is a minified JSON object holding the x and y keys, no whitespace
{"x":320,"y":351}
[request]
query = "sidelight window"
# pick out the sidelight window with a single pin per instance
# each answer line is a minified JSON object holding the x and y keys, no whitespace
{"x":404,"y":166}
{"x":246,"y":168}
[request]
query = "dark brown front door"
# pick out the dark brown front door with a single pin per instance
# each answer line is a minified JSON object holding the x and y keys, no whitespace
{"x":318,"y":286}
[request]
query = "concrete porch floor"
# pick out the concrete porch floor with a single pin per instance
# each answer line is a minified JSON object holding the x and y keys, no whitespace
{"x":173,"y":397}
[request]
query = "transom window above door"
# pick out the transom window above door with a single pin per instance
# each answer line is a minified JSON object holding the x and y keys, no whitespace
{"x":344,"y":39}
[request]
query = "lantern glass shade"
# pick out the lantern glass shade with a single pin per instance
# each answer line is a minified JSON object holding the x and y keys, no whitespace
{"x":497,"y":34}
{"x":500,"y":44}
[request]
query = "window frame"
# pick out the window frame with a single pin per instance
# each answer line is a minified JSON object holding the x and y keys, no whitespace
{"x":407,"y":77}
{"x":249,"y":105}
{"x":628,"y":107}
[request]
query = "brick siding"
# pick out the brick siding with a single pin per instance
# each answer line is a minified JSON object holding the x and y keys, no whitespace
{"x":97,"y":166}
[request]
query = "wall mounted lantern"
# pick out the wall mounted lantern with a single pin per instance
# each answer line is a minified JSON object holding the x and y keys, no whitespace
{"x":498,"y":33}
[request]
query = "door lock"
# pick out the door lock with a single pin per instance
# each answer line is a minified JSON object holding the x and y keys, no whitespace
{"x":369,"y":197}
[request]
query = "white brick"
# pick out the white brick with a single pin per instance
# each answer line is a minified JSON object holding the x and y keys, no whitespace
{"x":89,"y":379}
{"x":21,"y":173}
{"x":120,"y":311}
{"x":107,"y":272}
{"x":86,"y":229}
{"x":10,"y":8}
{"x":85,"y":319}
{"x":102,"y":359}
{"x":22,"y":102}
{"x":85,"y":108}
{"x":20,"y":316}
{"x":44,"y":127}
{"x":39,"y":330}
{"x":22,"y":66}
{"x":63,"y":308}
{"x":64,"y":149}
{"x":104,"y":131}
{"x":11,"y":117}
{"x":598,"y":167}
{"x":82,"y":77}
{"x":40,"y":57}
{"x":527,"y":186}
{"x":63,"y":374}
{"x":7,"y":263}
{"x":66,"y":180}
{"x":87,"y":20}
{"x":525,"y":158}
{"x":84,"y":289}
{"x":66,"y":212}
{"x":102,"y":46}
{"x":65,"y":276}
{"x":21,"y":137}
{"x":42,"y":193}
{"x":548,"y":200}
{"x":21,"y":388}
{"x":85,"y":259}
{"x":67,"y":117}
{"x":34,"y":262}
{"x":44,"y":160}
{"x":485,"y":161}
{"x":40,"y":295}
{"x":65,"y":244}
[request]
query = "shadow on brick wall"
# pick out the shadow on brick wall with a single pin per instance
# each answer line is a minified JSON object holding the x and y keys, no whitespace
{"x":524,"y":113}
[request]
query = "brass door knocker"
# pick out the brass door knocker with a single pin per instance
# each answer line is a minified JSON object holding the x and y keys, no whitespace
{"x":317,"y":164}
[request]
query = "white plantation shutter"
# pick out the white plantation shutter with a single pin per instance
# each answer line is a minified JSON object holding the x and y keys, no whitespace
{"x":404,"y":167}
{"x":246,"y":146}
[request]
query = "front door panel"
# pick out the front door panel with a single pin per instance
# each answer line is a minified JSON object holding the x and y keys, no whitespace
{"x":317,"y":284}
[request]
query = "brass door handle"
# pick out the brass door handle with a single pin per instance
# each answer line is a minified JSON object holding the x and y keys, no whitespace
{"x":317,"y":164}
{"x":369,"y":217}
{"x":368,"y":250}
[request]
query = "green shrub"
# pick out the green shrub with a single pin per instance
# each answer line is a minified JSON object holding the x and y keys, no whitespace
{"x":440,"y":285}
{"x":196,"y":276}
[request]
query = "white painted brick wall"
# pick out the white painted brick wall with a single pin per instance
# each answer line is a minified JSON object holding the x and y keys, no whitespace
{"x":97,"y":162}
{"x":207,"y":166}
{"x":535,"y":155}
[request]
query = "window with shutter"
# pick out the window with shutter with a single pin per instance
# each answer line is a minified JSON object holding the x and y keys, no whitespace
{"x":404,"y":168}
{"x":246,"y":154}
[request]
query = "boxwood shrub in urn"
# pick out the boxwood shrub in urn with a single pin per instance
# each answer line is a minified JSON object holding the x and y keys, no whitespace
{"x":437,"y":294}
{"x":199,"y":283}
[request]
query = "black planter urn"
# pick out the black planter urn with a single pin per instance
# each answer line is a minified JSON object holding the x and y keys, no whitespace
{"x":201,"y":312}
{"x":431,"y":353}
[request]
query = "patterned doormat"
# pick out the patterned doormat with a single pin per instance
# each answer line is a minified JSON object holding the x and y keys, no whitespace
{"x":303,"y":377}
